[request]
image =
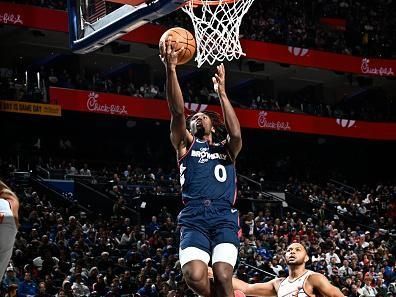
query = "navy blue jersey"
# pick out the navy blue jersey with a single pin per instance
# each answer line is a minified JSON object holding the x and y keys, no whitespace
{"x":207,"y":172}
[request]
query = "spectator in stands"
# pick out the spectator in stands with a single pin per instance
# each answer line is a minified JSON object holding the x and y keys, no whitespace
{"x":381,"y":287}
{"x":71,"y":169}
{"x":42,"y":290}
{"x":153,"y":226}
{"x":78,"y":287}
{"x":332,"y":268}
{"x":331,"y":254}
{"x":148,"y":289}
{"x":345,"y":270}
{"x":49,"y":284}
{"x":100,"y":286}
{"x":172,"y":282}
{"x":371,"y":267}
{"x":45,"y":263}
{"x":10,"y":278}
{"x":127,"y":237}
{"x":27,"y":287}
{"x":85,"y":171}
{"x":127,"y":283}
{"x":368,"y":290}
{"x":148,"y":270}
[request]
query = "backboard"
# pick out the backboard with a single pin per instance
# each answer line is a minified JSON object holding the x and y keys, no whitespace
{"x":94,"y":23}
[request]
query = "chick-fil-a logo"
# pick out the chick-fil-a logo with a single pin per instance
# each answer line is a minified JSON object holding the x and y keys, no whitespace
{"x":94,"y":105}
{"x":381,"y":71}
{"x":195,"y":107}
{"x":10,"y":18}
{"x":298,"y":51}
{"x":345,"y":123}
{"x":263,"y":122}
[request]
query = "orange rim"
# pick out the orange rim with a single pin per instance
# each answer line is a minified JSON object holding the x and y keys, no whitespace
{"x":201,"y":2}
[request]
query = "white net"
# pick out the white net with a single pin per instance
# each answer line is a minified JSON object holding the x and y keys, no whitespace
{"x":217,"y":28}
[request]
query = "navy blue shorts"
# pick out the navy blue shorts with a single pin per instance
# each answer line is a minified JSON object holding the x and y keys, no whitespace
{"x":205,"y":224}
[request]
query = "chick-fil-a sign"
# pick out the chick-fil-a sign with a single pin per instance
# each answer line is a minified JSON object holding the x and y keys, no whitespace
{"x":381,"y":71}
{"x":94,"y":105}
{"x":10,"y":18}
{"x":118,"y":105}
{"x":263,"y":122}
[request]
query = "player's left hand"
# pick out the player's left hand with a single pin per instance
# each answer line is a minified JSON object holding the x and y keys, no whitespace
{"x":169,"y":54}
{"x":219,"y":79}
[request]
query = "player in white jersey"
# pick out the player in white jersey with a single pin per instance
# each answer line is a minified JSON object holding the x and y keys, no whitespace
{"x":301,"y":282}
{"x":9,"y":206}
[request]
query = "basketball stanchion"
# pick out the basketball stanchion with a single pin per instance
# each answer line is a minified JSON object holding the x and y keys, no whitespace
{"x":93,"y":24}
{"x":258,"y":269}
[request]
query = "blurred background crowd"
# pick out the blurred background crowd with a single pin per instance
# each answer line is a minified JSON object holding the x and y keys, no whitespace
{"x":116,"y":233}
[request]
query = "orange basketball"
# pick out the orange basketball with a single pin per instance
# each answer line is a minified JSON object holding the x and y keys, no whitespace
{"x":185,"y":39}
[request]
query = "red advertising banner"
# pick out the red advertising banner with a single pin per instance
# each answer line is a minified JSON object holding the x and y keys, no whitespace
{"x":33,"y":17}
{"x":55,"y":20}
{"x":116,"y":105}
{"x":318,"y":59}
{"x":338,"y":24}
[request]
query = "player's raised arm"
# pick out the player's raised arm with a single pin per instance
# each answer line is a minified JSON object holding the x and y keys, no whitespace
{"x":322,"y":285}
{"x":234,"y":141}
{"x":180,"y":137}
{"x":259,"y":289}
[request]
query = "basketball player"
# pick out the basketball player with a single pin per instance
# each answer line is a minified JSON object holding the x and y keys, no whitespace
{"x":301,"y":282}
{"x":9,"y":206}
{"x":209,"y":224}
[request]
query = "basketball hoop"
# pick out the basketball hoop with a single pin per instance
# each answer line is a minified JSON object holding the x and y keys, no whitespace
{"x":216,"y":25}
{"x":210,"y":2}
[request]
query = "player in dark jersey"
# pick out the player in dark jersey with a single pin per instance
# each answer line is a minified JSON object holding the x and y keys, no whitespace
{"x":209,"y":224}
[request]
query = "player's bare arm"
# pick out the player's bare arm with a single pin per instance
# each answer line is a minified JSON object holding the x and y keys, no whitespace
{"x":258,"y":289}
{"x":234,"y":139}
{"x":180,"y":137}
{"x":321,"y":286}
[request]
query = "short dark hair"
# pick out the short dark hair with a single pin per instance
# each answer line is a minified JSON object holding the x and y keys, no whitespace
{"x":305,"y":248}
{"x":303,"y":245}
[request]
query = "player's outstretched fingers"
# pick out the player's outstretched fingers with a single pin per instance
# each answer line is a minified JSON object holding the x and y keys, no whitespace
{"x":179,"y":51}
{"x":222,"y":69}
{"x":215,"y":84}
{"x":169,"y":46}
{"x":162,"y":48}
